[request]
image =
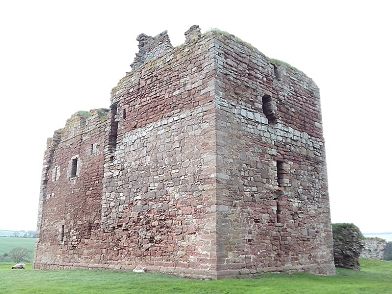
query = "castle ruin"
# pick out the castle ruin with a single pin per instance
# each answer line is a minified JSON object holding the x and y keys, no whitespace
{"x":210,"y":163}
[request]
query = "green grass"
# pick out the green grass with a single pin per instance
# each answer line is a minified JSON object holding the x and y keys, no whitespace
{"x":375,"y":277}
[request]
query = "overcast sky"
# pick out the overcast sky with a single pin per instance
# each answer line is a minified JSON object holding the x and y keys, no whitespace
{"x":58,"y":57}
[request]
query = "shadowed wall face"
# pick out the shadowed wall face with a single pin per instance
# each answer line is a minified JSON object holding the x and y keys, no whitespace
{"x":272,"y":195}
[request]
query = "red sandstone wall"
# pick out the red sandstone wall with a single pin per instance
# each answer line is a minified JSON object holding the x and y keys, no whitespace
{"x":159,"y":190}
{"x":260,"y":226}
{"x":72,"y":202}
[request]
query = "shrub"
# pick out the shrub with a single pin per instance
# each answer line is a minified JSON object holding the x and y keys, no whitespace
{"x":347,"y":245}
{"x":19,"y":254}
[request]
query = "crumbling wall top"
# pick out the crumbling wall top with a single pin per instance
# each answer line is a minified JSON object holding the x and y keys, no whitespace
{"x":151,"y":48}
{"x":192,"y":34}
{"x":82,"y":121}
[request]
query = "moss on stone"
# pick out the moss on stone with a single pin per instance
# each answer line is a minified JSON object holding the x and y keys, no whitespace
{"x":278,"y":62}
{"x":84,"y":114}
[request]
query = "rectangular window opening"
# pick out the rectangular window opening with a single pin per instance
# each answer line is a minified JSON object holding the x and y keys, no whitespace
{"x":113,"y":128}
{"x":276,"y":72}
{"x":88,"y":231}
{"x":94,"y":148}
{"x":55,"y":173}
{"x":62,"y":233}
{"x":74,"y":168}
{"x":113,"y":135}
{"x":268,"y":109}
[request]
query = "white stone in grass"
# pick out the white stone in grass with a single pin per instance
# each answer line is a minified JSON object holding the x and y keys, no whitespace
{"x":19,"y":266}
{"x":139,"y":270}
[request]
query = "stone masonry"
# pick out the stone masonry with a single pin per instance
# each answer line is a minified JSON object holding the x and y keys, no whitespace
{"x":374,"y":248}
{"x":210,"y":163}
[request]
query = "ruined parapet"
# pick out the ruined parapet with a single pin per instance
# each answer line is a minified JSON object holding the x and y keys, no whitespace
{"x":81,"y":121}
{"x":374,"y":248}
{"x":193,"y":34}
{"x":151,"y":48}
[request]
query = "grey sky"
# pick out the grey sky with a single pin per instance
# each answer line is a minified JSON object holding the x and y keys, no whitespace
{"x":58,"y":57}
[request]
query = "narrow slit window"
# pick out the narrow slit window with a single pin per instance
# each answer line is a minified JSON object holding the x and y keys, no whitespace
{"x":276,"y":72}
{"x":62,"y":233}
{"x":278,"y":212}
{"x":74,"y":168}
{"x":113,"y":108}
{"x":268,"y":109}
{"x":94,"y":148}
{"x":56,"y":173}
{"x":124,"y":113}
{"x":113,"y":136}
{"x":88,"y":231}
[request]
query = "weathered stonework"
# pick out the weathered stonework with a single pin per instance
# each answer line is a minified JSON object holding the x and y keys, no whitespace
{"x":374,"y":248}
{"x":209,"y":164}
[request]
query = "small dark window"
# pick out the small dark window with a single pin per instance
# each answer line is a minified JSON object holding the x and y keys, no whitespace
{"x":113,"y":108}
{"x":113,"y":135}
{"x":268,"y":109}
{"x":276,"y":72}
{"x":94,"y":148}
{"x":62,"y":233}
{"x":74,"y":167}
{"x":124,"y":113}
{"x":113,"y":128}
{"x":88,"y":231}
{"x":56,"y":173}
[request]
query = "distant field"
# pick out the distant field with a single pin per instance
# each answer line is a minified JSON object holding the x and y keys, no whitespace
{"x":8,"y":243}
{"x":375,"y":277}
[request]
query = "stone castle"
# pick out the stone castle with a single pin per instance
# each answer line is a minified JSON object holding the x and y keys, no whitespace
{"x":210,"y":163}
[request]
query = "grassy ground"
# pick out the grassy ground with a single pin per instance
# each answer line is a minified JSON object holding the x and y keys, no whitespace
{"x":375,"y":277}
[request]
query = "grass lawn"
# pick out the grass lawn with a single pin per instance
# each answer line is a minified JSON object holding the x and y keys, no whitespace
{"x":375,"y":277}
{"x":7,"y":243}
